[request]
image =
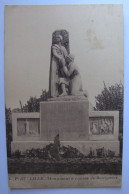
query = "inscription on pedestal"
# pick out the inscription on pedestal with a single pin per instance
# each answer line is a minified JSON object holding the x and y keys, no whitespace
{"x":68,"y":119}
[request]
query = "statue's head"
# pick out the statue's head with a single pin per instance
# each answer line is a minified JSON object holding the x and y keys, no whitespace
{"x":59,"y":38}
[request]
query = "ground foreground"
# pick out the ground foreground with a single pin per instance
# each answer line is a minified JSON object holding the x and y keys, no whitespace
{"x":70,"y":165}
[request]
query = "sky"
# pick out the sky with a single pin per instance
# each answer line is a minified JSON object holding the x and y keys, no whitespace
{"x":96,"y":40}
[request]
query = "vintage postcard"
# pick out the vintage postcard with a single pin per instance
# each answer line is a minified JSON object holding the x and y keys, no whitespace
{"x":64,"y":87}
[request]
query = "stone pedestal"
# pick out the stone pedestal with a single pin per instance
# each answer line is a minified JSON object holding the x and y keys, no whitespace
{"x":94,"y":131}
{"x":69,"y":119}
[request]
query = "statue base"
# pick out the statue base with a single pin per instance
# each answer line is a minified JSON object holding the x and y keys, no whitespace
{"x":67,"y":116}
{"x":69,"y":98}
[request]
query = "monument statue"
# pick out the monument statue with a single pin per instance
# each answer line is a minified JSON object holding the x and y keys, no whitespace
{"x":59,"y":51}
{"x":64,"y":76}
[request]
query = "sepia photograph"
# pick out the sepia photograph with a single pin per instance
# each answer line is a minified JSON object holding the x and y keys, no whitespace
{"x":64,"y":87}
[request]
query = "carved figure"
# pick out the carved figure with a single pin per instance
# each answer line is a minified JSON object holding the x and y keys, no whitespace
{"x":58,"y":55}
{"x":65,"y":78}
{"x":72,"y":73}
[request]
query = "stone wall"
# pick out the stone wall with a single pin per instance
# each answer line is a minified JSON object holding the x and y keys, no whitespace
{"x":77,"y":127}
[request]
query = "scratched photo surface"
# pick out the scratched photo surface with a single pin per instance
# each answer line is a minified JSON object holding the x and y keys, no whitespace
{"x":64,"y":84}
